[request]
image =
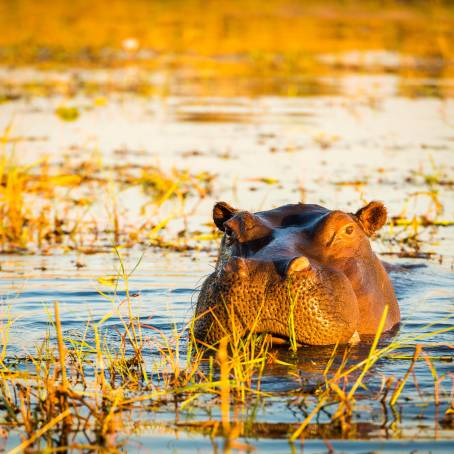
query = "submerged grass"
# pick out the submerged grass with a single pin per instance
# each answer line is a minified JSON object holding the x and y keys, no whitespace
{"x":94,"y":389}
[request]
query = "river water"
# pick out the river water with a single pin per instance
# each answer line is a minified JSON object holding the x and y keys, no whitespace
{"x":363,"y":141}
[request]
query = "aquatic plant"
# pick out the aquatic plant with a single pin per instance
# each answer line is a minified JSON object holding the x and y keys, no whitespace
{"x":67,"y":113}
{"x":46,"y":206}
{"x":90,"y":389}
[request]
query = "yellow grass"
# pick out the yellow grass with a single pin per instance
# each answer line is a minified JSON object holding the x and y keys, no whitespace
{"x":41,"y":207}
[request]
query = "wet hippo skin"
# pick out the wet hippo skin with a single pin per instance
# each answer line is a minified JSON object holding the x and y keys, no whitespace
{"x":300,"y":271}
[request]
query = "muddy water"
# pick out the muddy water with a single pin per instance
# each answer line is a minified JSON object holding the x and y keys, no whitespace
{"x":363,"y":141}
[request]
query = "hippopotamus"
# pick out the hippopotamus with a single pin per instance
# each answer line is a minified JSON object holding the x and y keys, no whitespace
{"x":298,"y":271}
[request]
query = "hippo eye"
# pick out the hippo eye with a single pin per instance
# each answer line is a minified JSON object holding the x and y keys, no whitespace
{"x":349,"y":229}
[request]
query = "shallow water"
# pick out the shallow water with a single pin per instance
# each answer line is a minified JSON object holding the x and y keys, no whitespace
{"x":163,"y":292}
{"x":362,"y":142}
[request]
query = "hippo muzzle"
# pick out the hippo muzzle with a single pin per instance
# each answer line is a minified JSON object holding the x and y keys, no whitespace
{"x":292,"y":273}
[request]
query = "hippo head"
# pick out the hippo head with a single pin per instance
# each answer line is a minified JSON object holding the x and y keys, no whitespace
{"x":300,"y":272}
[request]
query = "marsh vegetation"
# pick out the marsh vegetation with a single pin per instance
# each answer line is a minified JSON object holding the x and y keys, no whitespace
{"x":116,"y":138}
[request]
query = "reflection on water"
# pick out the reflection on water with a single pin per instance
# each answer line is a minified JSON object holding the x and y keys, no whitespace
{"x":19,"y":83}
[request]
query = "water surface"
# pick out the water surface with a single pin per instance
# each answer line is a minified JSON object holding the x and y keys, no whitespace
{"x":361,"y":141}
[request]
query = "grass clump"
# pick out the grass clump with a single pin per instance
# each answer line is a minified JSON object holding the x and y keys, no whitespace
{"x":65,"y":205}
{"x":85,"y":390}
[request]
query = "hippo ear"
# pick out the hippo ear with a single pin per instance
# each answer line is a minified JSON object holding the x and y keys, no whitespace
{"x":222,"y":212}
{"x":372,"y":217}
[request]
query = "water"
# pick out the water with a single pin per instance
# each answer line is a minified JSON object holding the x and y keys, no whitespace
{"x":361,"y":141}
{"x":163,"y":289}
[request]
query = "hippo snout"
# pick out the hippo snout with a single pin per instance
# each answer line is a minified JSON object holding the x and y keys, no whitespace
{"x":313,"y":305}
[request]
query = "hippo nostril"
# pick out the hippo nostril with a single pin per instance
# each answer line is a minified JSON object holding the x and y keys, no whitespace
{"x":229,"y":232}
{"x":298,"y":264}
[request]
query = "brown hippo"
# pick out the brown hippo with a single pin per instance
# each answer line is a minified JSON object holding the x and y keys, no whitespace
{"x":298,"y":271}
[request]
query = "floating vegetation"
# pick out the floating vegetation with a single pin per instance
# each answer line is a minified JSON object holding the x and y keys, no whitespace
{"x":67,"y":113}
{"x":45,"y":206}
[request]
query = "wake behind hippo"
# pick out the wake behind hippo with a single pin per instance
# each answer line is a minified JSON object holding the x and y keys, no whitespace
{"x":298,"y":271}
